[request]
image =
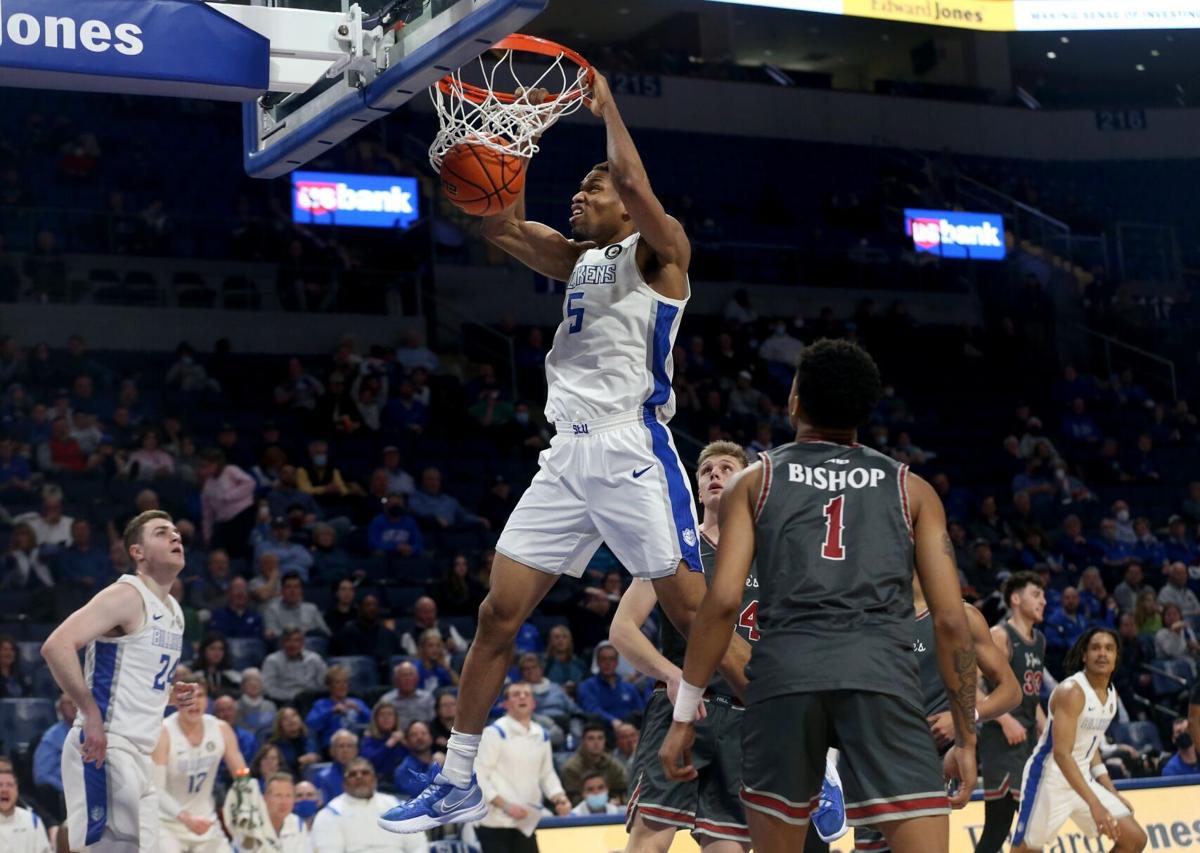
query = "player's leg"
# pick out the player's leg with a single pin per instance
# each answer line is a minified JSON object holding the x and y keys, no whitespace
{"x":168,"y":842}
{"x":1002,"y":767}
{"x":997,"y":820}
{"x":1132,"y":836}
{"x":648,"y":837}
{"x":720,"y":818}
{"x":658,"y":806}
{"x":930,"y":834}
{"x":772,"y":834}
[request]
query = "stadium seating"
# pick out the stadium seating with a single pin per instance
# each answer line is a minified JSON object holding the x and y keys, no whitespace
{"x":22,"y":721}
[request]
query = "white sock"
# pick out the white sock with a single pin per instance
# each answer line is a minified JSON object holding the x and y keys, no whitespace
{"x":460,"y":758}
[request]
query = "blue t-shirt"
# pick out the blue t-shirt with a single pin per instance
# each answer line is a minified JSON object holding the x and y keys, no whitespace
{"x":1178,"y":767}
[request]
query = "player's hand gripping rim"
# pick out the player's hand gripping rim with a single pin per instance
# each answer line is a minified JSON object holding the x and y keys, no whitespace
{"x":676,"y":752}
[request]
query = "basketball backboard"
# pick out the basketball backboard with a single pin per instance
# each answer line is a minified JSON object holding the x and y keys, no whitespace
{"x":357,"y":63}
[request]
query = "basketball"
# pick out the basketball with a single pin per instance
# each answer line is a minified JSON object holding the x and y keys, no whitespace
{"x":480,"y":180}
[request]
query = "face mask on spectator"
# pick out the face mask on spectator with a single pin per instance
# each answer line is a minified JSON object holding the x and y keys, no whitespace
{"x":522,"y":418}
{"x":1123,"y":515}
{"x":597,"y":801}
{"x":319,"y":459}
{"x":304,"y":809}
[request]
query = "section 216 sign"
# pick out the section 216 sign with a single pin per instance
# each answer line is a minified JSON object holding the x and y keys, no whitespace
{"x":954,"y":234}
{"x":369,"y":201}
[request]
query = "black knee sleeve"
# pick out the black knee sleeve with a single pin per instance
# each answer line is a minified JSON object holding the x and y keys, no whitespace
{"x":997,"y":821}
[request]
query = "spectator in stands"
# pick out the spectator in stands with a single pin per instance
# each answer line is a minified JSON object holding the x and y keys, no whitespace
{"x":1143,"y":462}
{"x":330,"y":560}
{"x":738,"y":308}
{"x":459,"y":593}
{"x":596,"y":799}
{"x":1148,"y":613}
{"x":1108,"y":469}
{"x":563,"y":666}
{"x":266,"y":587}
{"x":14,"y":683}
{"x":254,"y":710}
{"x":293,"y":558}
{"x":990,"y":526}
{"x":1175,"y":639}
{"x":321,"y":479}
{"x":497,"y":505}
{"x":338,"y":710}
{"x":82,"y":563}
{"x":425,"y":618}
{"x":342,"y":611}
{"x":225,"y":709}
{"x":297,"y":747}
{"x":149,"y":461}
{"x":398,"y":480}
{"x":593,"y":756}
{"x":213,"y":664}
{"x":369,"y":393}
{"x":1176,"y":592}
{"x":49,"y":525}
{"x":383,"y":743}
{"x":238,"y":617}
{"x":552,"y":701}
{"x":293,"y":669}
{"x":1130,"y":588}
{"x":343,"y":748}
{"x":1066,"y":623}
{"x":983,"y":572}
{"x":1179,"y":547}
{"x":290,"y":610}
{"x":445,"y":711}
{"x":433,"y":662}
{"x":516,"y":772}
{"x":16,"y":477}
{"x":412,"y":353}
{"x":61,"y":452}
{"x":404,"y":413}
{"x":1077,"y":550}
{"x":1115,"y":554}
{"x":430,"y":503}
{"x":287,"y":493}
{"x":47,"y":759}
{"x":394,"y":532}
{"x":187,"y":374}
{"x":411,"y":701}
{"x":1184,"y":762}
{"x":627,"y":736}
{"x":1130,"y":678}
{"x":605,"y":694}
{"x":212,"y":591}
{"x":24,"y":566}
{"x":300,"y":391}
{"x":268,"y":761}
{"x":349,"y":823}
{"x":227,"y":504}
{"x":1146,"y":546}
{"x":1097,"y":606}
{"x":366,"y":635}
{"x":20,"y":827}
{"x":411,"y":774}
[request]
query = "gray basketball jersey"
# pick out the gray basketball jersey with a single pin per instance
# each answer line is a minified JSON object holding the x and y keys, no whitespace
{"x":1027,"y":661}
{"x":673,"y":644}
{"x":835,"y":562}
{"x":933,"y":689}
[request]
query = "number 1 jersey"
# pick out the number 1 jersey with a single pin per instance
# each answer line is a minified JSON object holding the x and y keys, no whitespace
{"x":130,"y":676}
{"x":834,"y":558}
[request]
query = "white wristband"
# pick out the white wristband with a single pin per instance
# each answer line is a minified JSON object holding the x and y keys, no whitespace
{"x":1099,"y":770}
{"x":687,"y":701}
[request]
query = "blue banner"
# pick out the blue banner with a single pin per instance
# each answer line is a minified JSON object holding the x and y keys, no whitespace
{"x":367,"y":201}
{"x":180,"y":48}
{"x":954,"y":234}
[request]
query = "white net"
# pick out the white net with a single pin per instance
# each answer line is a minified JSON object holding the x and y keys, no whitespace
{"x":489,"y":113}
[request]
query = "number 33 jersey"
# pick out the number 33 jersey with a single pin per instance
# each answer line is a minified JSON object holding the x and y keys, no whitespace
{"x":834,"y":558}
{"x":130,"y":676}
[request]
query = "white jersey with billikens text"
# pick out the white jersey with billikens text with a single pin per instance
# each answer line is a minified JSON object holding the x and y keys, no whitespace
{"x":612,"y":351}
{"x":192,"y":770}
{"x":130,"y":676}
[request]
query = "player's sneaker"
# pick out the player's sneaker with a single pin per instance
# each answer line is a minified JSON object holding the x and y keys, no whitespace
{"x":439,"y":804}
{"x":829,"y":817}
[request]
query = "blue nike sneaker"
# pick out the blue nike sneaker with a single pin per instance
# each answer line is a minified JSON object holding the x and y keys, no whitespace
{"x":439,"y":804}
{"x":829,"y":817}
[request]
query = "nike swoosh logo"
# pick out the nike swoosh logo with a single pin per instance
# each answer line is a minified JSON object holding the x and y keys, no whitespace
{"x":445,"y":805}
{"x":637,"y":474}
{"x":157,"y":616}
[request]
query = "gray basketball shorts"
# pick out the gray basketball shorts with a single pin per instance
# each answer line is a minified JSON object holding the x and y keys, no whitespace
{"x":889,"y":765}
{"x":1000,"y":764}
{"x":707,"y":805}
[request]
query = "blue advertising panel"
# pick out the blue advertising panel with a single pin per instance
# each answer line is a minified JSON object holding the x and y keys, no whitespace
{"x":955,"y":234}
{"x":154,"y":47}
{"x":365,"y":201}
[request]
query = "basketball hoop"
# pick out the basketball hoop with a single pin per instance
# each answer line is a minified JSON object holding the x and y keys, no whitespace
{"x":490,"y":113}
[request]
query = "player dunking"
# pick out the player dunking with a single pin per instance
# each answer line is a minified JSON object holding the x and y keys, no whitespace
{"x":190,"y":750}
{"x":833,"y":528}
{"x":1006,"y":744}
{"x":1066,"y":777}
{"x":133,"y":631}
{"x":1004,"y":696}
{"x":611,"y":473}
{"x":707,"y":806}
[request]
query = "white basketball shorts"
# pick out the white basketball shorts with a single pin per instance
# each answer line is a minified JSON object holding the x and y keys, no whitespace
{"x":174,"y":837}
{"x":1047,"y":800}
{"x":616,"y":480}
{"x":112,"y":808}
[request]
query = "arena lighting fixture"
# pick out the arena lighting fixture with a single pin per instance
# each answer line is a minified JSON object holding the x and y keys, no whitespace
{"x":1140,"y":67}
{"x":1051,"y":55}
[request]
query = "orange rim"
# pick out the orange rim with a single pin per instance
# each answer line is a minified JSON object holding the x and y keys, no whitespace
{"x":526,"y":44}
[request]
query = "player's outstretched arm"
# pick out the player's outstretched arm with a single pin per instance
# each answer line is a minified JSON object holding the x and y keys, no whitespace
{"x":537,"y":246}
{"x":626,"y":635}
{"x":993,"y":663}
{"x":235,"y":762}
{"x":118,"y":607}
{"x":660,"y":231}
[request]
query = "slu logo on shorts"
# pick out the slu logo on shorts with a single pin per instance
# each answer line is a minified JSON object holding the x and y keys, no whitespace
{"x":96,"y":814}
{"x":689,"y":537}
{"x":579,"y":429}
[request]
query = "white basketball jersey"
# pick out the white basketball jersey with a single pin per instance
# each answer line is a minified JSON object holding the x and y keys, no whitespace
{"x":192,"y":770}
{"x":130,"y":676}
{"x":1094,"y":720}
{"x":612,"y":351}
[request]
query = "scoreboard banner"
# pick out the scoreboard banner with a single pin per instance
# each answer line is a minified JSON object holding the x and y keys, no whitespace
{"x":1011,"y":15}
